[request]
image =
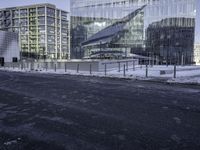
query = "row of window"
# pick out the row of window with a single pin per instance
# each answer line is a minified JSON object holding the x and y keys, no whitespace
{"x":50,"y":47}
{"x":32,"y":13}
{"x":35,"y":21}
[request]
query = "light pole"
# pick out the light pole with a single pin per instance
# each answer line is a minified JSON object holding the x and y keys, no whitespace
{"x":20,"y":25}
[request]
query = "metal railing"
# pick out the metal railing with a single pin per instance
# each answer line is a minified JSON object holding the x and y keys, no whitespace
{"x":125,"y":68}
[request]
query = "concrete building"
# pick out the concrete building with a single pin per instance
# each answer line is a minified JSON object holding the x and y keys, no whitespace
{"x":43,"y":30}
{"x":9,"y":47}
{"x":122,"y":25}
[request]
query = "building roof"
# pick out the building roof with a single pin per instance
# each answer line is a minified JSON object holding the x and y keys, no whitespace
{"x":33,"y":5}
{"x":106,"y":35}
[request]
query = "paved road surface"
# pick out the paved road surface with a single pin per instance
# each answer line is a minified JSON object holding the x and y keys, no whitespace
{"x":57,"y":112}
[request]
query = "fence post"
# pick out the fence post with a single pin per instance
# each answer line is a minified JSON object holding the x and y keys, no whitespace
{"x":90,"y":68}
{"x":127,"y":65}
{"x":77,"y":68}
{"x":55,"y":67}
{"x":152,"y":61}
{"x":146,"y":71}
{"x":27,"y":65}
{"x":31,"y":65}
{"x":22,"y":66}
{"x":119,"y":66}
{"x":182,"y":59}
{"x":175,"y":71}
{"x":124,"y":70}
{"x":105,"y":70}
{"x":46,"y":66}
{"x":65,"y":67}
{"x":133,"y":65}
{"x":157,"y":60}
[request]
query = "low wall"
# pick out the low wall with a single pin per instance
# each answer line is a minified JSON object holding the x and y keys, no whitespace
{"x":115,"y":64}
{"x":94,"y":65}
{"x":82,"y":66}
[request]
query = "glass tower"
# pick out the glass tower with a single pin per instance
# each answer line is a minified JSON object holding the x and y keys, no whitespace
{"x":158,"y":28}
{"x":43,"y":30}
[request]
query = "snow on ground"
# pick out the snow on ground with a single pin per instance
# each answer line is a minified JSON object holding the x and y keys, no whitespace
{"x":190,"y":80}
{"x":184,"y":74}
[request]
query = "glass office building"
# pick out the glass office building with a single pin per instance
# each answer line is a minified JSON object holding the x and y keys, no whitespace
{"x":43,"y":30}
{"x":166,"y":29}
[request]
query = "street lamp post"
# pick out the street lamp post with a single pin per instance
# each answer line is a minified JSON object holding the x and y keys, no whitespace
{"x":20,"y":25}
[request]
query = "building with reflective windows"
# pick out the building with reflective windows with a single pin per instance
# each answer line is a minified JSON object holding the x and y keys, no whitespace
{"x":172,"y":39}
{"x":166,"y":29}
{"x":43,"y":30}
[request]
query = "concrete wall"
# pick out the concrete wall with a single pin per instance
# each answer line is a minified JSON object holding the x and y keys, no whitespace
{"x":96,"y":65}
{"x":83,"y":66}
{"x":9,"y":46}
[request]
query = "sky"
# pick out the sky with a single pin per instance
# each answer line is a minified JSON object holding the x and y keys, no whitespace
{"x":62,"y":4}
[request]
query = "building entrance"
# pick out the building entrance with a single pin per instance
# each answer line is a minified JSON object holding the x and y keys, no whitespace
{"x":2,"y":61}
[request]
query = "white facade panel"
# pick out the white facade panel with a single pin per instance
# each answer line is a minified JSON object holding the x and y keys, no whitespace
{"x":9,"y":47}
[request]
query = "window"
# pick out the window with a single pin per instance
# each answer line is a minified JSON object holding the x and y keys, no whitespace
{"x":64,"y":15}
{"x":51,"y":30}
{"x":42,"y":38}
{"x":51,"y":12}
{"x":15,"y":22}
{"x":15,"y":13}
{"x":41,"y":29}
{"x":41,"y":11}
{"x":50,"y":21}
{"x":23,"y":12}
{"x":41,"y":20}
{"x":14,"y":59}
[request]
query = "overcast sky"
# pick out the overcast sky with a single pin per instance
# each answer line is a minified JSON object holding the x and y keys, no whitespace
{"x":62,"y":4}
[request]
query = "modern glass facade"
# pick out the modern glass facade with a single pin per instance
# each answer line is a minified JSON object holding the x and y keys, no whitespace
{"x":172,"y":39}
{"x":43,"y":30}
{"x":167,"y":29}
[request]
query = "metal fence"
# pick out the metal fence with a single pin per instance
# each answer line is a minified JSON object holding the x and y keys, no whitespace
{"x":106,"y":68}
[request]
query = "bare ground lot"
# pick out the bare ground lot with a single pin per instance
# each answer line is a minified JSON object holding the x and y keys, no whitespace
{"x":55,"y":112}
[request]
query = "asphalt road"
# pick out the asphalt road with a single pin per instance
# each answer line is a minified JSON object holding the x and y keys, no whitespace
{"x":63,"y":112}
